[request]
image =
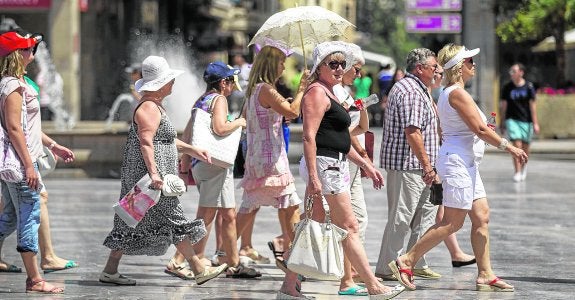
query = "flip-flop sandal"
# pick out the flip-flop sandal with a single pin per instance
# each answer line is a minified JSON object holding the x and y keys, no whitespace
{"x":354,"y":291}
{"x":11,"y":269}
{"x":396,"y":290}
{"x":493,"y":286}
{"x":69,"y":265}
{"x":278,"y":255}
{"x":398,"y":271}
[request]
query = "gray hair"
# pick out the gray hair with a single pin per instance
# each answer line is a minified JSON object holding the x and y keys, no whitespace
{"x":417,"y":56}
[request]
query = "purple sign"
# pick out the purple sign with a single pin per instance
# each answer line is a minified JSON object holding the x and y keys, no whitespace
{"x":438,"y":23}
{"x":433,"y":5}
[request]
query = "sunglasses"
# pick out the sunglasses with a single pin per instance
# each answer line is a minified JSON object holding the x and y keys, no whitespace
{"x":334,"y":64}
{"x":469,"y":60}
{"x":357,"y":71}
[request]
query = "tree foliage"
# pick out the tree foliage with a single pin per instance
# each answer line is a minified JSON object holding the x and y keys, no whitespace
{"x":536,"y":19}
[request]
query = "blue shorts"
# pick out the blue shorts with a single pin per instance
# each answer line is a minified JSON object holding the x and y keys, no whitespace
{"x":519,"y":130}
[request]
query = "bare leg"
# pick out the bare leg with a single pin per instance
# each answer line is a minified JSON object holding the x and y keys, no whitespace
{"x":111,"y":266}
{"x":451,"y":242}
{"x":452,"y":221}
{"x":288,"y":217}
{"x":48,"y":259}
{"x":517,"y":163}
{"x":244,"y":228}
{"x":342,"y":216}
{"x":207,"y":214}
{"x":479,"y":215}
{"x":31,"y":266}
{"x":229,"y":236}
{"x":186,"y":249}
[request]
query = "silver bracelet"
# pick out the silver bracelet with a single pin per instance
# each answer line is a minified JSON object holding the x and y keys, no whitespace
{"x":503,"y":145}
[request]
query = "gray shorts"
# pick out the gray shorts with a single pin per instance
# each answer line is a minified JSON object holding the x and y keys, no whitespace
{"x":215,"y":184}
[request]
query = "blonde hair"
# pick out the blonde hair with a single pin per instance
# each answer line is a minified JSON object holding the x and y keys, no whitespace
{"x":12,"y":65}
{"x":265,"y":68}
{"x":333,"y":56}
{"x":446,"y":53}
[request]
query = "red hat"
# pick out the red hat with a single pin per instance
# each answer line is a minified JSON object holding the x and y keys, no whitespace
{"x":12,"y":41}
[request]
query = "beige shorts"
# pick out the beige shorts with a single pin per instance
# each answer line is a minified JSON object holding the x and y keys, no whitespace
{"x":215,"y":184}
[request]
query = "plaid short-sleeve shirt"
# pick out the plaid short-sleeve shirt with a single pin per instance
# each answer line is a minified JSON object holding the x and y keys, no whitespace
{"x":409,"y":104}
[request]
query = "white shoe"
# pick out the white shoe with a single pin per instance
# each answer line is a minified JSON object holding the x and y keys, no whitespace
{"x":524,"y":173}
{"x":210,"y":273}
{"x":517,"y":177}
{"x":116,"y":279}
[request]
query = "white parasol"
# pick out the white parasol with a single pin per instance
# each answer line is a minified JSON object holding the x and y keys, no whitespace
{"x":302,"y":27}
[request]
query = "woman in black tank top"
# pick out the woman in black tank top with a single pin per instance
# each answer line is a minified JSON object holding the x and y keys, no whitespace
{"x":326,"y":140}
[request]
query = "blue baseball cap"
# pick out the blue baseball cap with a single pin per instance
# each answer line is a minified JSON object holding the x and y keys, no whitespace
{"x":219,"y":70}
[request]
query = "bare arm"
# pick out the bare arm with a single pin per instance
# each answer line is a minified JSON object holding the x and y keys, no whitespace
{"x":462,"y":102}
{"x":533,"y":108}
{"x":220,"y":122}
{"x":270,"y":98}
{"x":415,"y":141}
{"x":193,"y":151}
{"x":365,"y":164}
{"x":148,"y":117}
{"x":12,"y":118}
{"x":363,"y":125}
{"x":66,"y":154}
{"x":315,"y":104}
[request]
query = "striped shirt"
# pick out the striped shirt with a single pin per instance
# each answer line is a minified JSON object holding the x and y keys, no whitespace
{"x":409,"y":104}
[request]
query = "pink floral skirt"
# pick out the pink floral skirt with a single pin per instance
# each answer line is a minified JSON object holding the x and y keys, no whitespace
{"x":276,"y":196}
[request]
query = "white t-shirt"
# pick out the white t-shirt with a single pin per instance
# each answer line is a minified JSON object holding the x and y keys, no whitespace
{"x":33,"y":119}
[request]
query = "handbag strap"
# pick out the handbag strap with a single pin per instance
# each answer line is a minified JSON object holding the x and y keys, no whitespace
{"x":309,"y":208}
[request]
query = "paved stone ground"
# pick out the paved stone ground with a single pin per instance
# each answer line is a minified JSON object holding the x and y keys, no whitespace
{"x":531,"y":226}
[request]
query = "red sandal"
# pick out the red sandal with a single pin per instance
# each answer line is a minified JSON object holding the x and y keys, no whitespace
{"x":31,"y":283}
{"x":398,"y":271}
{"x":494,"y":285}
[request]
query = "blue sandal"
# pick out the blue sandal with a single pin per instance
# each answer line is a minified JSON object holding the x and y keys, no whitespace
{"x":354,"y":291}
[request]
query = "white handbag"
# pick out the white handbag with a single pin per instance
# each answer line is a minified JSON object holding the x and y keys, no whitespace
{"x":222,"y":149}
{"x":47,"y":162}
{"x":316,"y":251}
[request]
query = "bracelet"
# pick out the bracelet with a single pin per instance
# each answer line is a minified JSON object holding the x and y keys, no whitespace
{"x":432,"y":170}
{"x":503,"y":145}
{"x":51,"y":146}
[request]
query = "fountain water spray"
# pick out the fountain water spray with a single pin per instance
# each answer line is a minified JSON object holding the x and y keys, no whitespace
{"x":52,"y":89}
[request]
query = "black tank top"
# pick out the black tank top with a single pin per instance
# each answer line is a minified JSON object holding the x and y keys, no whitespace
{"x":333,"y":131}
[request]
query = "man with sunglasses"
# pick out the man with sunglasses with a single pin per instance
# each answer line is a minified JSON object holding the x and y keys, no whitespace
{"x":520,"y":113}
{"x":408,"y":151}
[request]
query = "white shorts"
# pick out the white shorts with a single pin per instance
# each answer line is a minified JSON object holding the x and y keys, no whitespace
{"x":333,"y":174}
{"x":462,"y":183}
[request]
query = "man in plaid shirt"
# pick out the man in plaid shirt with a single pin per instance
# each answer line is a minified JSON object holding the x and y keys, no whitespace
{"x":408,"y":151}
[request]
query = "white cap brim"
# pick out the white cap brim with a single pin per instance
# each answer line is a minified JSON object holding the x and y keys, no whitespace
{"x":461,"y":55}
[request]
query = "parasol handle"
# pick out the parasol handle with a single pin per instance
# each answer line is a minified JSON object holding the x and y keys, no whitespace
{"x":302,"y":46}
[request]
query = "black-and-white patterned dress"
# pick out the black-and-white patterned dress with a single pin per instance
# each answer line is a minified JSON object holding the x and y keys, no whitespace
{"x":165,"y":223}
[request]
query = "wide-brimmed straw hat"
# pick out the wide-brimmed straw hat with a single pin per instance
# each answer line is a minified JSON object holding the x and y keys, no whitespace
{"x":11,"y":41}
{"x":155,"y":74}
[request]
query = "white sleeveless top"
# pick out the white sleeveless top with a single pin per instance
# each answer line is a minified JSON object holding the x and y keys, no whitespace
{"x":457,"y":137}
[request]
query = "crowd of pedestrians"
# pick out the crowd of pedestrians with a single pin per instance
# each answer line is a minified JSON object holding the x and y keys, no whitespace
{"x":423,"y":143}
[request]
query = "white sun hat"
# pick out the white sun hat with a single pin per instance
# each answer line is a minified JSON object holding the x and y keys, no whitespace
{"x":155,"y":74}
{"x":322,"y":50}
{"x":461,"y":55}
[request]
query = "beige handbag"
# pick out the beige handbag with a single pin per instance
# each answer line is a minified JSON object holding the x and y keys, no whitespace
{"x":316,"y":251}
{"x":222,"y":149}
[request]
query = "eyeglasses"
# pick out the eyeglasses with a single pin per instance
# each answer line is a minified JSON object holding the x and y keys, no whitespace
{"x":357,"y":71}
{"x":334,"y":64}
{"x":433,"y":66}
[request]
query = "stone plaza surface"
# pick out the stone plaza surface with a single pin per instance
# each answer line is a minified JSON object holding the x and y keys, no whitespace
{"x":531,"y":228}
